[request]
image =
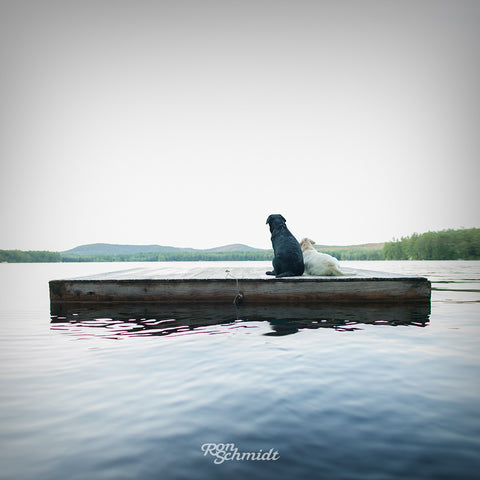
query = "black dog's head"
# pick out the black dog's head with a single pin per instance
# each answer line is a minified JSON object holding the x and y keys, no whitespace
{"x":275,"y":221}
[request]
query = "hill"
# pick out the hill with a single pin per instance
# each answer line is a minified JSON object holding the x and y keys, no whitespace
{"x":114,"y":249}
{"x":234,"y":247}
{"x":105,"y":252}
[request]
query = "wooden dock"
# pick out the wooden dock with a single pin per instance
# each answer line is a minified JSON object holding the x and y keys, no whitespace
{"x":160,"y":284}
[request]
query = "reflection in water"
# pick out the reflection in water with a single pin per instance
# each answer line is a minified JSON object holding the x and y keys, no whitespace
{"x":118,"y":321}
{"x":381,"y":402}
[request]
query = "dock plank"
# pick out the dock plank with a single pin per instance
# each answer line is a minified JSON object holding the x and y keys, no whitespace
{"x":222,"y":273}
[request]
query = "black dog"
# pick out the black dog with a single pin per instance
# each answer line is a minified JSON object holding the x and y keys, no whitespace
{"x":288,"y":257}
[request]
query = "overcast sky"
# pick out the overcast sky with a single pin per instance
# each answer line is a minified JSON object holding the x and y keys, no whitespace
{"x":187,"y":123}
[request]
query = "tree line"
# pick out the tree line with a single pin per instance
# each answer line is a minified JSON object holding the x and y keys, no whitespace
{"x":355,"y":253}
{"x":18,"y":256}
{"x":443,"y":245}
{"x":30,"y":256}
{"x":450,"y":244}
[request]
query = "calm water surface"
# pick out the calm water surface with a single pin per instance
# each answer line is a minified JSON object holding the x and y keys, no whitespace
{"x":339,"y":392}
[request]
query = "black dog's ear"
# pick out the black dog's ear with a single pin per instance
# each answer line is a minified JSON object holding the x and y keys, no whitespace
{"x":268,"y":219}
{"x":283,"y":219}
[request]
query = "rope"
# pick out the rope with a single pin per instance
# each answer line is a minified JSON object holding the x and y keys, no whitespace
{"x":239,"y":296}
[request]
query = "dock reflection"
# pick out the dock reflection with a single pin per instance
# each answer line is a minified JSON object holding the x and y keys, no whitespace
{"x":119,"y":321}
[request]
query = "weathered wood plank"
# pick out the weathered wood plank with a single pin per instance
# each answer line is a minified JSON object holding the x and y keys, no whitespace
{"x":215,"y":285}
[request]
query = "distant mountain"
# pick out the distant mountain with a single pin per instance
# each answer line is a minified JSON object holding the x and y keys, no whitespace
{"x":94,"y":249}
{"x":114,"y":249}
{"x":234,"y":247}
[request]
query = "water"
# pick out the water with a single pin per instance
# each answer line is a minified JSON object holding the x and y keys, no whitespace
{"x":338,"y":393}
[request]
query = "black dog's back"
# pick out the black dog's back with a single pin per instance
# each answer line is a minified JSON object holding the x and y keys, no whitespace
{"x":288,"y":257}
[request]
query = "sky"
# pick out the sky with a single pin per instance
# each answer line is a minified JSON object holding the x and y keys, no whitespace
{"x":188,"y":122}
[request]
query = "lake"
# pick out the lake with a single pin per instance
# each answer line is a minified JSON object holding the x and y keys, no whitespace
{"x":150,"y":393}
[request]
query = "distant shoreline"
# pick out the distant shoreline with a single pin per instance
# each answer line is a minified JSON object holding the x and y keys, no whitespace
{"x":462,"y":244}
{"x":18,"y":256}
